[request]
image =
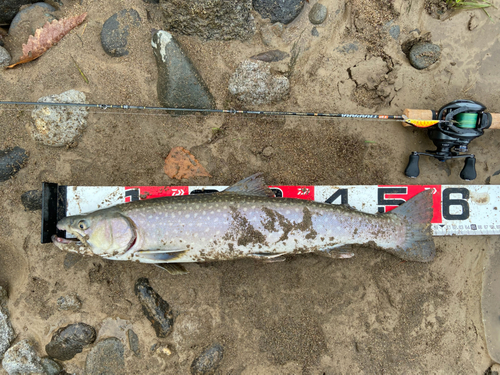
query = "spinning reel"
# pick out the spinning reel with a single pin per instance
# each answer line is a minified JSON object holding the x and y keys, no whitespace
{"x":458,"y":123}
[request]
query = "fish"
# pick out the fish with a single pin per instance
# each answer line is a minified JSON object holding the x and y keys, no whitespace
{"x":245,"y":221}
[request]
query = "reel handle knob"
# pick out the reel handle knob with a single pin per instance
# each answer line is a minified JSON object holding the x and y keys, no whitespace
{"x":412,"y":169}
{"x":469,"y":171}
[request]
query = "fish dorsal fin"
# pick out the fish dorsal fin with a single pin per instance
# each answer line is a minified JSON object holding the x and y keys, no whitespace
{"x":253,"y":185}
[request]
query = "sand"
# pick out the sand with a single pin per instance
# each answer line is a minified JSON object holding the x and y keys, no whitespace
{"x":369,"y":314}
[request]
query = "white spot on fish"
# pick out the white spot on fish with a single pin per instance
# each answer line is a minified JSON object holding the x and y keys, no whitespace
{"x":218,"y":232}
{"x":196,"y":214}
{"x":206,"y":230}
{"x":150,"y":216}
{"x":187,"y":216}
{"x":287,"y":212}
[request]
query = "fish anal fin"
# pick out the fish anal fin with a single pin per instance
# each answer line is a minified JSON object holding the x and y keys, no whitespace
{"x":253,"y":185}
{"x":173,"y":268}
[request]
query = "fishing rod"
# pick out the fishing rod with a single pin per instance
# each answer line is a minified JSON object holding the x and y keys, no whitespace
{"x":209,"y":110}
{"x":451,"y":128}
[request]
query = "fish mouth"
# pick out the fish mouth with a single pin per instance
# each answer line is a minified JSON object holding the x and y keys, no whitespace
{"x":56,"y":239}
{"x":73,"y":245}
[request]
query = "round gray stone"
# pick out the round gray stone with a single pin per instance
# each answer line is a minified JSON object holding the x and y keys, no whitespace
{"x":9,"y":9}
{"x":21,"y":358}
{"x":423,"y":55}
{"x":106,"y":358}
{"x":26,"y":14}
{"x":50,"y":366}
{"x":317,"y":14}
{"x":254,"y":84}
{"x":59,"y":126}
{"x":284,"y":11}
{"x":69,"y":302}
{"x":116,"y":29}
{"x":7,"y":334}
{"x":4,"y":57}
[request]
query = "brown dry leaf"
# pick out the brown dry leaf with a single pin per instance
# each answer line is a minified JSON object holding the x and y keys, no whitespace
{"x":47,"y":36}
{"x":180,"y":163}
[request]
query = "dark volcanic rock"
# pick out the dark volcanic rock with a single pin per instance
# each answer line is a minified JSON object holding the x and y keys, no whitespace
{"x":133,"y":342}
{"x":68,"y":341}
{"x":179,"y":83}
{"x":156,"y":309}
{"x":106,"y":358}
{"x":423,"y":55}
{"x":32,"y":200}
{"x":9,"y":9}
{"x":115,"y":31}
{"x":208,"y":361}
{"x":284,"y":11}
{"x":210,"y":19}
{"x":11,"y":161}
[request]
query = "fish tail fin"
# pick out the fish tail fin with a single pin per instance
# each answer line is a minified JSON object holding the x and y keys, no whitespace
{"x":417,"y":215}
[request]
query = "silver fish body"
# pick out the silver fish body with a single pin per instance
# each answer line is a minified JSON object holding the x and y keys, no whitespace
{"x":244,"y":221}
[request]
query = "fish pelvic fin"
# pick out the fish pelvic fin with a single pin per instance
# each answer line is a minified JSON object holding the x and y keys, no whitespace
{"x":173,"y":268}
{"x":158,"y":256}
{"x":417,"y":215}
{"x":338,"y":252}
{"x":253,"y":185}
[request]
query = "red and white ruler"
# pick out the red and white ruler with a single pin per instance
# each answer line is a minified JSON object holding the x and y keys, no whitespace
{"x":458,"y":209}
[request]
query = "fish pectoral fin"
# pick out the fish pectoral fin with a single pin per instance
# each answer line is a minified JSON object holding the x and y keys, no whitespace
{"x":173,"y":268}
{"x":253,"y":185}
{"x":339,"y":252}
{"x":158,"y":256}
{"x":268,"y":257}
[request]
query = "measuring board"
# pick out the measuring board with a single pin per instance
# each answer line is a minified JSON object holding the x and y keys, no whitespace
{"x":458,"y":209}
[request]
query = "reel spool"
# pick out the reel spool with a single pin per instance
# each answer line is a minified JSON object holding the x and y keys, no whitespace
{"x":460,"y":122}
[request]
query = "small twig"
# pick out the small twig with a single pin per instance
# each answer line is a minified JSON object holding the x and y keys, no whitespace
{"x":84,"y":27}
{"x":81,"y":73}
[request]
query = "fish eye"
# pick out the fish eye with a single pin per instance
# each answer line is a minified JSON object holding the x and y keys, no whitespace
{"x":82,"y":224}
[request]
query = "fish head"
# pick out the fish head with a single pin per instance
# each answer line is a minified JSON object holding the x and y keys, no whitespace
{"x":101,"y":233}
